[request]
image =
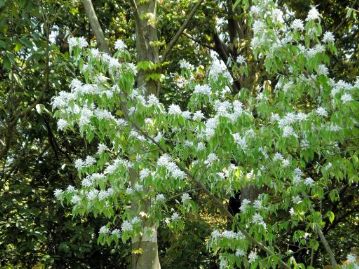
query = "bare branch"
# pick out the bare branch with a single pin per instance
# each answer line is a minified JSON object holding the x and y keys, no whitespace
{"x":180,"y":30}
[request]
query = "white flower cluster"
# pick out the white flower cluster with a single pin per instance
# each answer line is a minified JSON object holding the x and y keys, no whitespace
{"x":127,"y":226}
{"x":240,"y":140}
{"x":185,"y":65}
{"x":79,"y":164}
{"x":185,"y":198}
{"x":202,"y":89}
{"x":279,"y":157}
{"x":211,"y":158}
{"x":297,"y":25}
{"x":258,"y":219}
{"x":77,"y":42}
{"x":241,"y":60}
{"x":166,"y":162}
{"x":227,"y":235}
{"x":313,"y":14}
{"x":111,"y":168}
{"x":218,"y":68}
{"x":120,"y":45}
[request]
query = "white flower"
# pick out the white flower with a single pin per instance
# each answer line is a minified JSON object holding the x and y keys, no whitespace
{"x":240,"y":252}
{"x":58,"y":193}
{"x":186,"y":114}
{"x":70,"y":188}
{"x":86,"y":182}
{"x":229,"y":234}
{"x":211,"y":125}
{"x":138,"y":187}
{"x":198,"y":115}
{"x":277,"y":15}
{"x":328,"y":166}
{"x":328,"y":37}
{"x":241,"y":141}
{"x":257,"y":204}
{"x":158,"y":137}
{"x":322,"y":70}
{"x":85,"y":117}
{"x":101,"y":148}
{"x":103,"y":195}
{"x":135,"y":220}
{"x":164,"y":160}
{"x":278,"y":156}
{"x":113,"y":63}
{"x":92,"y":194}
{"x":79,"y":164}
{"x":252,"y":256}
{"x":223,"y":263}
{"x":258,"y":219}
{"x":346,"y":97}
{"x":244,"y":205}
{"x":288,"y":131}
{"x":126,"y":226}
{"x":321,"y":112}
{"x":174,"y":110}
{"x":96,"y":177}
{"x":255,"y":10}
{"x":313,"y":14}
{"x":90,"y":161}
{"x":75,"y":199}
{"x":211,"y":159}
{"x":153,"y":100}
{"x":202,"y":89}
{"x":116,"y":232}
{"x":200,"y":146}
{"x":296,"y":199}
{"x":351,"y":258}
{"x":297,"y":24}
{"x":185,"y":198}
{"x":77,"y":42}
{"x":241,"y":60}
{"x":104,"y":230}
{"x":129,"y":191}
{"x":144,"y":173}
{"x":309,"y":181}
{"x":175,"y":216}
{"x":291,"y":211}
{"x":175,"y":171}
{"x":215,"y":234}
{"x":160,"y":197}
{"x":185,"y":65}
{"x":120,"y":45}
{"x":285,"y":162}
{"x":62,"y":124}
{"x":95,"y":52}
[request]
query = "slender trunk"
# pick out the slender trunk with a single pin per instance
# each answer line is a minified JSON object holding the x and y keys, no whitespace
{"x":145,"y":247}
{"x":95,"y":25}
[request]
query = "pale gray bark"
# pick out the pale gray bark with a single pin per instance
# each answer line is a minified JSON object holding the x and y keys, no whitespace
{"x":146,"y":256}
{"x":95,"y":26}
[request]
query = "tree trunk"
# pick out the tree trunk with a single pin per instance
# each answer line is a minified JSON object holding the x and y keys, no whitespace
{"x":145,"y":247}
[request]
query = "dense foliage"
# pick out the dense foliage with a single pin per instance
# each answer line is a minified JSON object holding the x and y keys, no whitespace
{"x":271,"y":115}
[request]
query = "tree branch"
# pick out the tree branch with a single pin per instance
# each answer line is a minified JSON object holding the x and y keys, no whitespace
{"x":201,"y":186}
{"x":324,"y":241}
{"x":180,"y":30}
{"x":95,"y":26}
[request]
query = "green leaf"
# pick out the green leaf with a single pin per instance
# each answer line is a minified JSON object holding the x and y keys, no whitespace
{"x":330,"y":216}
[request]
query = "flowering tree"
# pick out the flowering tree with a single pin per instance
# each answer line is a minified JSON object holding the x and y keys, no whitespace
{"x":220,"y":144}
